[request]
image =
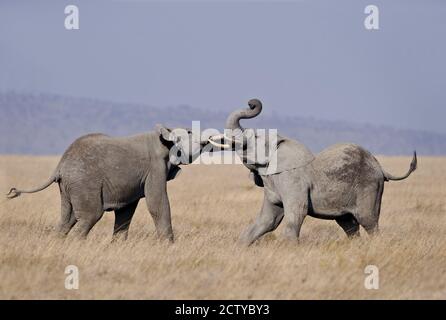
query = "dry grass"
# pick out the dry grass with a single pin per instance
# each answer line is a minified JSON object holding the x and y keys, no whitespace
{"x":211,"y":205}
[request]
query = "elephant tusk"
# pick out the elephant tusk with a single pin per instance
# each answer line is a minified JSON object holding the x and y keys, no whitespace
{"x":219,"y":145}
{"x":222,"y":136}
{"x":218,"y":136}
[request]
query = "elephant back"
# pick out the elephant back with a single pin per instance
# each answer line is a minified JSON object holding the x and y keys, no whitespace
{"x":289,"y":154}
{"x":271,"y":155}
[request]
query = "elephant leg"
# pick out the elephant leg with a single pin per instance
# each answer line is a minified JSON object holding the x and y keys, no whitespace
{"x":160,"y":211}
{"x":85,"y":222}
{"x":123,"y":218}
{"x":88,"y":210}
{"x":67,"y":217}
{"x":370,"y":225}
{"x":268,"y":219}
{"x":158,"y":205}
{"x":368,"y":210}
{"x":296,"y":209}
{"x":349,"y":224}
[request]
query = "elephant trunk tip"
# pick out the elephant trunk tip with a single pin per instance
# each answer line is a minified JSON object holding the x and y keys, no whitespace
{"x":254,"y":103}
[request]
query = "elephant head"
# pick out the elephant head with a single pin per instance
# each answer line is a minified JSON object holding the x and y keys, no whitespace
{"x":184,"y":144}
{"x":260,"y":152}
{"x":251,"y":145}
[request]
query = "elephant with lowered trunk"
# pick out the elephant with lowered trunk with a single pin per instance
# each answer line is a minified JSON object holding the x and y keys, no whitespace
{"x":344,"y":182}
{"x":99,"y":173}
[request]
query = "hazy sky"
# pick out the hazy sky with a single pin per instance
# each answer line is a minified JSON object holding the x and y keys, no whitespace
{"x":309,"y":58}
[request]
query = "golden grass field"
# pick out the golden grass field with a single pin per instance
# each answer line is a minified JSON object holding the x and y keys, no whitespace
{"x":211,"y":205}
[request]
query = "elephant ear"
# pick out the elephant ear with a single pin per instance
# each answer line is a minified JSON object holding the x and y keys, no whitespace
{"x":290,"y":154}
{"x":258,"y":157}
{"x":165,"y":133}
{"x":249,"y":155}
{"x":255,"y":177}
{"x":174,"y":171}
{"x":281,"y":154}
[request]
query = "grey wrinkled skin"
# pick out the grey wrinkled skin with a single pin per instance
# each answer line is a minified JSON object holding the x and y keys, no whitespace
{"x":99,"y":173}
{"x":344,"y":183}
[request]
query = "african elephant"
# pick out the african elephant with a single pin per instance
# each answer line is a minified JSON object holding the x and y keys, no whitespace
{"x":100,"y":173}
{"x":344,"y":182}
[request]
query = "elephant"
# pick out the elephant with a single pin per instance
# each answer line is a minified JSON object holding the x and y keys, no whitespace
{"x":100,"y":173}
{"x":344,"y":182}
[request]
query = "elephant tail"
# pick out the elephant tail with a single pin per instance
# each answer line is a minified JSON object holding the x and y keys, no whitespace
{"x":412,"y":168}
{"x":14,"y":192}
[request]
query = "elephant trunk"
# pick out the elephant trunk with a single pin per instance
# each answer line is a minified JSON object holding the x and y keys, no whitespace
{"x":233,"y":121}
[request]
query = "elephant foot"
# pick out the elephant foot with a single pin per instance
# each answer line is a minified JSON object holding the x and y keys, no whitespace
{"x":119,"y":237}
{"x":290,"y":236}
{"x":166,"y":238}
{"x":244,"y":242}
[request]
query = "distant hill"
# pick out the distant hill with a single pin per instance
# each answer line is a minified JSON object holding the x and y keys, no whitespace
{"x":47,"y":124}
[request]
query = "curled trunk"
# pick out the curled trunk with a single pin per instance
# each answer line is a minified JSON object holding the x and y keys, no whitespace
{"x":233,"y":121}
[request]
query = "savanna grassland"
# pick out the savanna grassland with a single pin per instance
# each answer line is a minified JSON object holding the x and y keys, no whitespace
{"x":211,"y":205}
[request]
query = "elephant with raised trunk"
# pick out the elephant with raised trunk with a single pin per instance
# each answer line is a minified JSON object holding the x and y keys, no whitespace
{"x":100,"y":173}
{"x":344,"y":182}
